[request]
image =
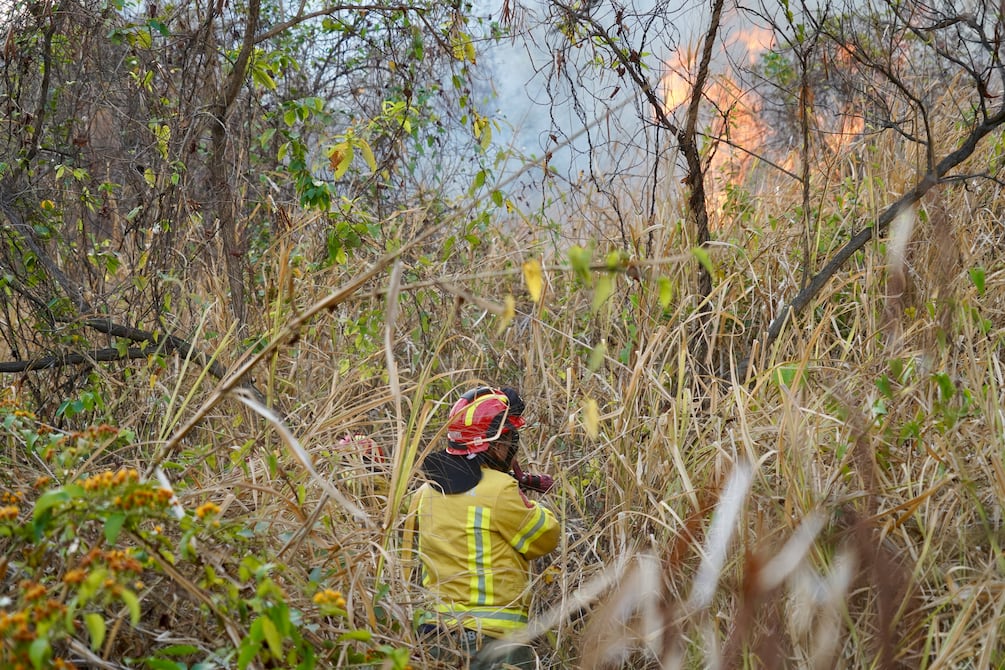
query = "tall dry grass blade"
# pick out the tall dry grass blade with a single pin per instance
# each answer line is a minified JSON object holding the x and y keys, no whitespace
{"x":785,"y":562}
{"x":901,"y":231}
{"x":572,"y":603}
{"x":406,"y":451}
{"x":631,"y":614}
{"x":301,"y":454}
{"x":175,"y":409}
{"x":391,"y":318}
{"x":817,"y":605}
{"x":724,"y":521}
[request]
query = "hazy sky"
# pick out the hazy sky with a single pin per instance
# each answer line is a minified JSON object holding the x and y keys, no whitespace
{"x":536,"y":107}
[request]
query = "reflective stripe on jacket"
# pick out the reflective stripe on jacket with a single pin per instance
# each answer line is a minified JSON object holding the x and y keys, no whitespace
{"x":476,"y":548}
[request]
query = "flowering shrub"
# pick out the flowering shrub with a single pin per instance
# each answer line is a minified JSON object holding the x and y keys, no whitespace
{"x":98,"y":562}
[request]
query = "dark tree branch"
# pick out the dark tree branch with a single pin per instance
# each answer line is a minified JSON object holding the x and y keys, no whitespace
{"x":60,"y":360}
{"x":687,"y":137}
{"x":168,"y":342}
{"x":153,"y":343}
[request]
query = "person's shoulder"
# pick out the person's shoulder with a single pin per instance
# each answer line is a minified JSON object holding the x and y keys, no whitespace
{"x":496,"y":480}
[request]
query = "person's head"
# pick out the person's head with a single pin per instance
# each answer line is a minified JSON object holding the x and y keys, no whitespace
{"x":486,"y":421}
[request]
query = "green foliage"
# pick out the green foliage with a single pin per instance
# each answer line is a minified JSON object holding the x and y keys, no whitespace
{"x":117,"y":541}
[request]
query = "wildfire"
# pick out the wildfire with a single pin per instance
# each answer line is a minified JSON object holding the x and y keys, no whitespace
{"x":732,"y":112}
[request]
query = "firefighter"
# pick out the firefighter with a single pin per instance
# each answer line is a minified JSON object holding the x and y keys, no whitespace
{"x":478,"y":532}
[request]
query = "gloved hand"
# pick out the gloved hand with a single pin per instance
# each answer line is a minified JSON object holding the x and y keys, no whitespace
{"x":532,"y":482}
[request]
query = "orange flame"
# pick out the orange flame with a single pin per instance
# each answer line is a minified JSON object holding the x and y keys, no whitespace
{"x":848,"y":128}
{"x":676,"y":83}
{"x":752,"y":41}
{"x":739,"y":123}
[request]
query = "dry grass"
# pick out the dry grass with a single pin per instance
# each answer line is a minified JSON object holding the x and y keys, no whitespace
{"x":839,"y":508}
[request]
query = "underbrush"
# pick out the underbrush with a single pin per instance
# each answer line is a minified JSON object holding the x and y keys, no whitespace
{"x":111,"y":569}
{"x":838,"y":507}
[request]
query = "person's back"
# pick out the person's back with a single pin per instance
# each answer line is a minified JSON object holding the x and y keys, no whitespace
{"x":477,"y":531}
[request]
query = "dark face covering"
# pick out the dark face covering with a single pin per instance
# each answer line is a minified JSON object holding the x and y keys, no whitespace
{"x":457,"y":474}
{"x":452,"y":474}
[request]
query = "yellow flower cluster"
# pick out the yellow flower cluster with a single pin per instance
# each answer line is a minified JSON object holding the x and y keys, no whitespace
{"x":9,"y":512}
{"x":116,"y":559}
{"x":108,"y":479}
{"x":329,"y":598}
{"x":121,"y":561}
{"x":11,"y":497}
{"x":99,"y":432}
{"x":140,"y":498}
{"x":10,"y":620}
{"x":207,"y":509}
{"x":17,"y":628}
{"x":32,"y":591}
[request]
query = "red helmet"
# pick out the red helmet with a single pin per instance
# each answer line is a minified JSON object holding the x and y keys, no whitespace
{"x":480,"y":417}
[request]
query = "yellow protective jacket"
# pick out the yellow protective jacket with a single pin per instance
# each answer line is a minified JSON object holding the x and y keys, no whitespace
{"x":476,"y":548}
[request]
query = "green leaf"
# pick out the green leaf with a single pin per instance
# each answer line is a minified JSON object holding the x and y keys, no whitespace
{"x":579,"y":258}
{"x":666,"y":291}
{"x":261,"y":76}
{"x":356,"y":635}
{"x":143,"y":39}
{"x":266,"y":137}
{"x":946,"y":387}
{"x":597,"y":355}
{"x":978,"y":277}
{"x":603,"y":290}
{"x":159,"y":27}
{"x":113,"y":526}
{"x":785,"y":375}
{"x":249,"y":649}
{"x":132,"y":604}
{"x":50,"y":499}
{"x":367,"y":152}
{"x":341,"y":158}
{"x":96,"y":629}
{"x":39,"y":653}
{"x":272,"y":638}
{"x":616,"y":260}
{"x":703,"y":258}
